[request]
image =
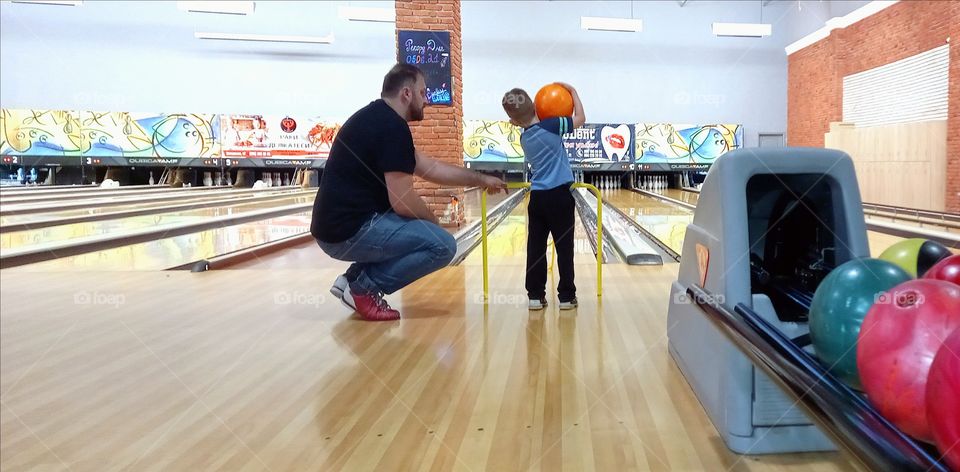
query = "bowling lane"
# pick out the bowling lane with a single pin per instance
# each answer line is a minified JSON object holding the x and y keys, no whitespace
{"x":95,"y":201}
{"x":178,"y":250}
{"x":877,"y":241}
{"x":18,"y":239}
{"x":134,"y":205}
{"x":678,"y":194}
{"x":666,"y":221}
{"x":471,"y":204}
{"x":880,"y":241}
{"x":309,"y":255}
{"x":104,"y":192}
{"x":507,"y":243}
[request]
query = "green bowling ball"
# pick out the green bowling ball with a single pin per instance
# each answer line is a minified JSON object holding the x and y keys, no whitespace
{"x":915,"y":255}
{"x":839,"y":305}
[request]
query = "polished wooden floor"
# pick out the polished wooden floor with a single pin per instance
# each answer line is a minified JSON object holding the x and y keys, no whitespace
{"x":261,"y":370}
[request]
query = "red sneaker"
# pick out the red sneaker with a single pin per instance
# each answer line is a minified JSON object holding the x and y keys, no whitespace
{"x":372,"y":307}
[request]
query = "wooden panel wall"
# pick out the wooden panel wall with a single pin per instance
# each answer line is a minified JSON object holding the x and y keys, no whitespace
{"x":902,"y":164}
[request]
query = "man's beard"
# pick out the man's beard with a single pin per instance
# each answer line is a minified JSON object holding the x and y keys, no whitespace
{"x":415,"y":112}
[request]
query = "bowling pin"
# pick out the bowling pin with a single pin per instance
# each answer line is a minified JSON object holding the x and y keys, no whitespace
{"x":151,"y":181}
{"x":229,"y":179}
{"x":268,"y":179}
{"x":207,"y":179}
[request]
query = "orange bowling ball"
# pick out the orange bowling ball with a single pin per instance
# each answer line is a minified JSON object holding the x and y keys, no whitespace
{"x":553,"y":100}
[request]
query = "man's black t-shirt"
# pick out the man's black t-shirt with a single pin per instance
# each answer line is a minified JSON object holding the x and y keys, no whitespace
{"x":373,"y":141}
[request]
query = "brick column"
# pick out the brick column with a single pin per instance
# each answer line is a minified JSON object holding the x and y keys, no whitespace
{"x":440,"y":134}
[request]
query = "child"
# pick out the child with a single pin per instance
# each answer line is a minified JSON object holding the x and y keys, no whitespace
{"x":551,"y":208}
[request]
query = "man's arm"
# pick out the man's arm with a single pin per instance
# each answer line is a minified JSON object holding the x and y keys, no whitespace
{"x":456,"y":176}
{"x":404,"y":198}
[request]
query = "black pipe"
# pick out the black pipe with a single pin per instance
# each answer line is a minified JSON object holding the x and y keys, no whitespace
{"x":838,"y":410}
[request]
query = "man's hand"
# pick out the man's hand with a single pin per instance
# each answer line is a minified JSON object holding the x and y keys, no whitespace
{"x":491,"y":184}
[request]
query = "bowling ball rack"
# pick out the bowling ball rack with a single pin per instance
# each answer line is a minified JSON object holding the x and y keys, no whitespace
{"x":836,"y":408}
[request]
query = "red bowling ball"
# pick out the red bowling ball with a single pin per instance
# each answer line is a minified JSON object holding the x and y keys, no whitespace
{"x":947,"y":269}
{"x":943,"y":400}
{"x":898,"y":339}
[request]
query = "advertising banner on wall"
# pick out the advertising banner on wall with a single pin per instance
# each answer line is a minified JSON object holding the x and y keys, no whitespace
{"x":599,"y":146}
{"x":149,"y":135}
{"x":272,"y":136}
{"x":27,"y":132}
{"x":491,"y":141}
{"x":682,"y":146}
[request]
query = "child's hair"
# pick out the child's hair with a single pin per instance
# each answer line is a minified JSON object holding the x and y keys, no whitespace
{"x":518,"y":105}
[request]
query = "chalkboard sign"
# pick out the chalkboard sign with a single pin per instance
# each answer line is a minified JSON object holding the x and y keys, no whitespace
{"x":430,"y":51}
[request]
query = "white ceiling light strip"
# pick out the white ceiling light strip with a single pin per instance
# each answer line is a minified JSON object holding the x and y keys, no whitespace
{"x":743,"y":30}
{"x":225,"y":8}
{"x":266,"y":38}
{"x":66,"y":3}
{"x":597,"y":23}
{"x":376,"y":15}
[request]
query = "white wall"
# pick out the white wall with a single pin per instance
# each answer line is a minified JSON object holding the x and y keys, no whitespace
{"x":676,"y":70}
{"x":142,"y":56}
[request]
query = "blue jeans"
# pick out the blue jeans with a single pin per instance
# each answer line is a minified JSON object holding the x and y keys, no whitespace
{"x":390,"y":252}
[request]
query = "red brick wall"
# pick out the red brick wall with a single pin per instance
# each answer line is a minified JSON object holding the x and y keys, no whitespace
{"x":815,"y":73}
{"x":953,"y":115}
{"x":440,"y":134}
